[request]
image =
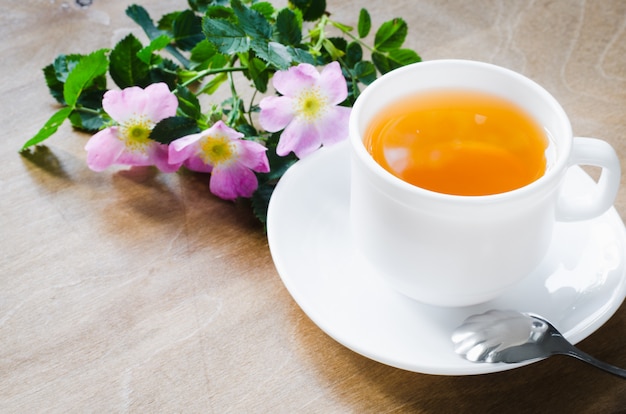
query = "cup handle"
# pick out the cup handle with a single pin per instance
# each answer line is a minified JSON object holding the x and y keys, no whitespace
{"x":591,"y":151}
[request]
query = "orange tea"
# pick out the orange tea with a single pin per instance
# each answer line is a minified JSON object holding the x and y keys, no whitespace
{"x":458,"y":142}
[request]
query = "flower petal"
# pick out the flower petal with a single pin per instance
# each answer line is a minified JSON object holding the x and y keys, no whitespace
{"x":195,"y":163}
{"x":333,"y":127}
{"x":221,"y":128}
{"x":292,"y":81}
{"x":183,"y":148}
{"x":232,"y":182}
{"x":155,"y":102}
{"x":158,"y":154}
{"x":125,"y":104}
{"x":103,"y":149}
{"x":161,"y":103}
{"x":253,"y":155}
{"x":300,"y":137}
{"x":333,"y":84}
{"x":276,"y":112}
{"x":135,"y":158}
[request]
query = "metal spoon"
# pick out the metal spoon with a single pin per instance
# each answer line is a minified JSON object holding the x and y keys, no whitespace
{"x":510,"y":336}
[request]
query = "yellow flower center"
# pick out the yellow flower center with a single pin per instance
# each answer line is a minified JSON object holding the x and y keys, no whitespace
{"x":311,"y":104}
{"x":136,"y":132}
{"x":216,"y":150}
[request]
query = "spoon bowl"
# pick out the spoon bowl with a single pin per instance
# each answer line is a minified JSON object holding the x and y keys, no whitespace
{"x":509,"y":336}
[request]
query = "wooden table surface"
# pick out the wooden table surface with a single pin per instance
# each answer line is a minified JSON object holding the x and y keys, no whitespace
{"x":140,"y":292}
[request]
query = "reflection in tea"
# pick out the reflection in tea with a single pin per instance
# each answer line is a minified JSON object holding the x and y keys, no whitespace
{"x":458,"y":142}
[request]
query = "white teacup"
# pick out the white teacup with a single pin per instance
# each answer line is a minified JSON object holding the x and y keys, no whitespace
{"x":451,"y":250}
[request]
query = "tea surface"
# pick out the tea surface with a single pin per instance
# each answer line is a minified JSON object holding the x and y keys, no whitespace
{"x":458,"y":142}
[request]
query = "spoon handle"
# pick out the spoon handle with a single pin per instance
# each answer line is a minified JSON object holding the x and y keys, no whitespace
{"x":583,"y":356}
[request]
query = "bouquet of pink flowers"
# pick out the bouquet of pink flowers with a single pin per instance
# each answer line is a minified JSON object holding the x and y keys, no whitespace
{"x":154,"y":117}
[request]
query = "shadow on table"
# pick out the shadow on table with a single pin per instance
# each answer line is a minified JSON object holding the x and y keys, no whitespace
{"x":177,"y":198}
{"x":41,"y":157}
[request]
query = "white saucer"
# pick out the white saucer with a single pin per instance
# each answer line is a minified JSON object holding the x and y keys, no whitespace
{"x":578,"y":287}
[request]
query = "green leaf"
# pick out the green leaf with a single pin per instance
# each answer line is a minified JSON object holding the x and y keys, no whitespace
{"x":55,"y":86}
{"x":403,"y":57}
{"x":64,"y":64}
{"x":267,"y":181}
{"x":390,"y":35}
{"x":166,"y":71}
{"x":354,"y":54}
{"x":90,"y":68}
{"x":91,"y":98}
{"x":166,"y":22}
{"x":381,"y":62}
{"x":311,"y":9}
{"x":89,"y":121}
{"x":365,"y":72}
{"x":265,"y":8}
{"x":140,"y":16}
{"x":187,"y":30}
{"x":260,"y":201}
{"x":251,"y":21}
{"x":214,"y":84}
{"x":56,"y":74}
{"x":365,"y":23}
{"x":205,"y":55}
{"x":145,"y":54}
{"x":220,"y":12}
{"x":258,"y":74}
{"x":340,"y":44}
{"x":248,"y":131}
{"x":88,"y":114}
{"x":203,"y":51}
{"x":203,"y":5}
{"x":288,"y":28}
{"x":301,"y":56}
{"x":394,"y":59}
{"x":278,"y":164}
{"x":50,"y":127}
{"x":188,"y":103}
{"x":226,"y":36}
{"x":274,"y":53}
{"x":353,"y":92}
{"x":126,"y":68}
{"x":77,"y":81}
{"x":172,"y":128}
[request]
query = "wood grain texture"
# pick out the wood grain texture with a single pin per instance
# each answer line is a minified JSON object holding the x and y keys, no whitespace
{"x":132,"y":291}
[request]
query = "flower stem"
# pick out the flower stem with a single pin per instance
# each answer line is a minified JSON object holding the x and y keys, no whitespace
{"x":208,"y":72}
{"x":87,"y":110}
{"x":251,"y":105}
{"x":318,"y":31}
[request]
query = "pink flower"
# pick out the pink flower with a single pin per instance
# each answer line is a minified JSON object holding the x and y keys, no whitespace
{"x":136,"y":112}
{"x":308,"y":109}
{"x":231,"y":160}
